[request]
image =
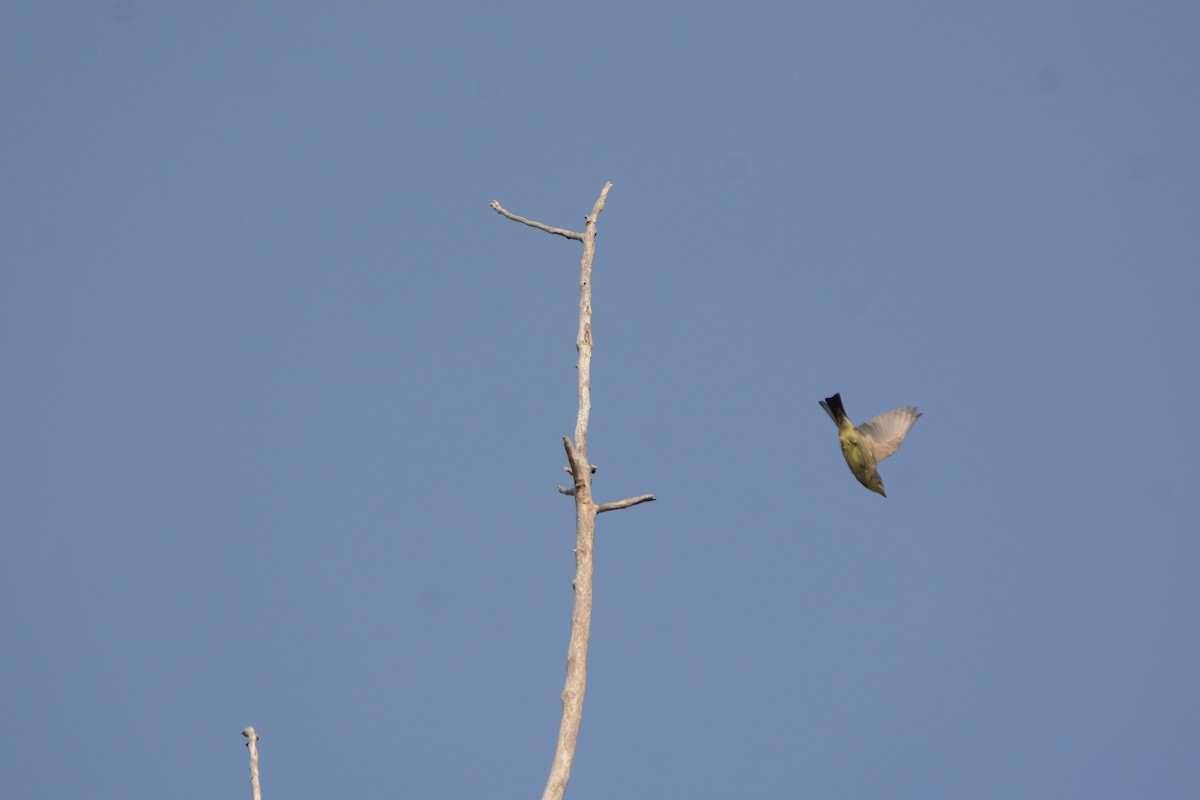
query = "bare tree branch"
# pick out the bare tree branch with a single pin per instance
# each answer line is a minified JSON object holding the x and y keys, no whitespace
{"x":540,"y":226}
{"x":585,"y":509}
{"x":626,"y":503}
{"x":252,"y":746}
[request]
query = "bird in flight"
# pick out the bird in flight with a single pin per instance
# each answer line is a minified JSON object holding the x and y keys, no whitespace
{"x":864,"y":446}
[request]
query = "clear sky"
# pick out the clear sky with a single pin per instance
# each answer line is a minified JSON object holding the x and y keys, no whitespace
{"x":282,"y":399}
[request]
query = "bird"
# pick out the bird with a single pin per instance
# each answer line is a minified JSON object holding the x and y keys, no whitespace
{"x":866,"y":445}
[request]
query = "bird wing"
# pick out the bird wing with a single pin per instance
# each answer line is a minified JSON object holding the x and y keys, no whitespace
{"x":888,"y":430}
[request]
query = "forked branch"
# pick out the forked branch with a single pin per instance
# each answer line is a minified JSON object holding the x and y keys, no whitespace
{"x":585,"y":509}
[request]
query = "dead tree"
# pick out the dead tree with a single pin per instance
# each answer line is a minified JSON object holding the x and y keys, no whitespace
{"x":585,"y":508}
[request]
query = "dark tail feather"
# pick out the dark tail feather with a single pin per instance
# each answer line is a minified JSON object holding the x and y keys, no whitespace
{"x":833,"y":406}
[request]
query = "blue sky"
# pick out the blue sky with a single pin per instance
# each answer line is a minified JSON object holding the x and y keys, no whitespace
{"x":283,"y":398}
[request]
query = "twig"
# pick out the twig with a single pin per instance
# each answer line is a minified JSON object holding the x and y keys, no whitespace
{"x":531,"y":223}
{"x":626,"y":503}
{"x":252,"y":746}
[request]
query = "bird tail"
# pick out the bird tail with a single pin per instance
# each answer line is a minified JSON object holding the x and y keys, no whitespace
{"x":833,"y":407}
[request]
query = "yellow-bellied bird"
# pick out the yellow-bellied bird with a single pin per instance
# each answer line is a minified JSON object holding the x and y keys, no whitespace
{"x":868,"y":444}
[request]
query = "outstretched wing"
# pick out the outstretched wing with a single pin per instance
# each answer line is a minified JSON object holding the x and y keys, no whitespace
{"x":888,"y":430}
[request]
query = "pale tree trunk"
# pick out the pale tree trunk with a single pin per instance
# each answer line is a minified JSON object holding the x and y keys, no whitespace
{"x":585,"y":509}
